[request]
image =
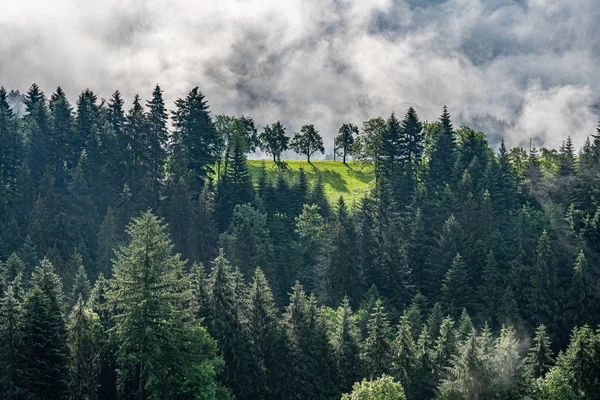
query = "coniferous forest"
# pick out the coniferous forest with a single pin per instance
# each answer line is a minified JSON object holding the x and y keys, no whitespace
{"x":142,"y":260}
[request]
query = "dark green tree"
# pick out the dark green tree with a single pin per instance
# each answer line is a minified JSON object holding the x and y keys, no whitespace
{"x":274,"y":141}
{"x":539,"y":356}
{"x":45,"y":335}
{"x":157,"y":119}
{"x":377,"y":345}
{"x":307,"y":142}
{"x":583,"y":296}
{"x":344,"y":141}
{"x":84,"y":325}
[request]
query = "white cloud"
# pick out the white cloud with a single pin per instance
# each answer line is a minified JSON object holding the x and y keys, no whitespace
{"x":533,"y":62}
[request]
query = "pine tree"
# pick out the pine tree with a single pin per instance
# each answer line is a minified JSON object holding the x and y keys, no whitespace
{"x":583,"y":303}
{"x":137,"y":171}
{"x":434,"y":321}
{"x":310,"y":228}
{"x":81,"y":286}
{"x":539,"y":357}
{"x":83,"y":345}
{"x":264,"y":338}
{"x":340,"y":275}
{"x":195,"y":141}
{"x":443,"y":154}
{"x":377,"y":345}
{"x":445,"y":346}
{"x":107,"y":348}
{"x":13,"y":379}
{"x":456,"y":287}
{"x":543,"y":302}
{"x":36,"y":123}
{"x":344,"y":141}
{"x":158,"y":339}
{"x":318,"y":197}
{"x":346,"y":347}
{"x":11,"y":143}
{"x":580,"y":361}
{"x":108,"y":241}
{"x":404,"y":358}
{"x":157,"y":140}
{"x":61,"y":130}
{"x":465,"y":326}
{"x":411,"y":144}
{"x":206,"y":238}
{"x":45,"y":335}
{"x":307,"y":142}
{"x":224,"y":323}
{"x":491,"y":289}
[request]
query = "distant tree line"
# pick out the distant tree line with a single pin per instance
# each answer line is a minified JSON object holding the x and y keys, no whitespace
{"x":140,"y":260}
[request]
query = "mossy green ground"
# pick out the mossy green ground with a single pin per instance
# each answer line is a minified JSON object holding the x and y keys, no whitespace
{"x":351,"y":180}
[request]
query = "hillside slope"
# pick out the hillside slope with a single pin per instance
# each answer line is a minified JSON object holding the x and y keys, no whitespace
{"x":351,"y":180}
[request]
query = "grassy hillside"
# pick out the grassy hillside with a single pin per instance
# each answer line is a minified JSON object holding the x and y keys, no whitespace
{"x":351,"y":180}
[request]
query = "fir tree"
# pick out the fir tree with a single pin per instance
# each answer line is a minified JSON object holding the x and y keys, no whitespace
{"x":584,"y":298}
{"x":456,"y":286}
{"x":195,"y":141}
{"x":13,"y":354}
{"x":83,"y":345}
{"x":264,"y":338}
{"x":45,"y":335}
{"x":346,"y":347}
{"x":443,"y":154}
{"x":404,"y":359}
{"x":158,"y":340}
{"x":157,"y":140}
{"x":539,"y":357}
{"x":377,"y":345}
{"x":81,"y":286}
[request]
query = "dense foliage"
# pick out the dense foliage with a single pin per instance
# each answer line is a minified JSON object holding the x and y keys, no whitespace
{"x":141,"y":260}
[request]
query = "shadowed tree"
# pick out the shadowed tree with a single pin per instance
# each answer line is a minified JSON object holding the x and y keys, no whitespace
{"x":307,"y":142}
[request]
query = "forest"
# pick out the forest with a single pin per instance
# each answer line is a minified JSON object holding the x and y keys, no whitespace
{"x":140,"y":258}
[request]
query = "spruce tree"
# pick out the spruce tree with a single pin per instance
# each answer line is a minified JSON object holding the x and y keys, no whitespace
{"x":157,"y":140}
{"x":195,"y":141}
{"x":159,"y":341}
{"x":61,"y":130}
{"x":346,"y":347}
{"x":539,"y":356}
{"x":264,"y":337}
{"x":81,"y":286}
{"x":456,"y":288}
{"x":443,"y":154}
{"x":224,"y":323}
{"x":377,"y":345}
{"x":543,"y":281}
{"x":583,"y":296}
{"x":45,"y":335}
{"x":445,"y":346}
{"x":404,"y":358}
{"x":13,"y":361}
{"x":340,"y":275}
{"x":84,"y":327}
{"x":318,"y":197}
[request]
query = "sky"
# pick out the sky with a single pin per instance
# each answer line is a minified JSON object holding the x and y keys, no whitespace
{"x":517,"y":69}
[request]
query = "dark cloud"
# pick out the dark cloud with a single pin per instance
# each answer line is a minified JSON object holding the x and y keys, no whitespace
{"x":517,"y":69}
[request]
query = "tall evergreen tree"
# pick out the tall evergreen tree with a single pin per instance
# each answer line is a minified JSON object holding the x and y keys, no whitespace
{"x":583,"y":303}
{"x":539,"y":356}
{"x":158,"y":339}
{"x":377,"y":345}
{"x":45,"y":335}
{"x":13,"y":354}
{"x":83,"y":345}
{"x":346,"y":347}
{"x":443,"y":153}
{"x":157,"y":118}
{"x":195,"y":141}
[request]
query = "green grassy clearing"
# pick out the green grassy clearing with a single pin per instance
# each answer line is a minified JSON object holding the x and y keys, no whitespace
{"x":351,"y":180}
